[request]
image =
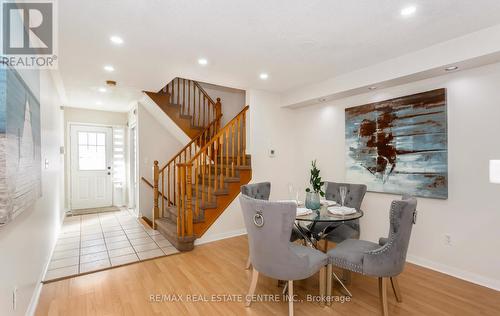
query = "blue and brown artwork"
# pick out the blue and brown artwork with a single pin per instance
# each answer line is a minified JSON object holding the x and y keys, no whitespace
{"x":400,"y":145}
{"x":20,"y":146}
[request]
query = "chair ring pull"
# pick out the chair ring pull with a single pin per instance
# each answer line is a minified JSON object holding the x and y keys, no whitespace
{"x":258,"y":219}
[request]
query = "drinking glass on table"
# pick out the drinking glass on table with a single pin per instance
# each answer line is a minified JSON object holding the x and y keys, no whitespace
{"x":291,"y":191}
{"x":343,"y":194}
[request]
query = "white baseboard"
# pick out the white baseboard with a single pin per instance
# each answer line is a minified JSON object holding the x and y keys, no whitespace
{"x":38,"y":289}
{"x":457,"y":273}
{"x":215,"y":237}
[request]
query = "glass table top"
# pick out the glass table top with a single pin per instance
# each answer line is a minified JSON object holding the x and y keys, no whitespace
{"x":322,"y":215}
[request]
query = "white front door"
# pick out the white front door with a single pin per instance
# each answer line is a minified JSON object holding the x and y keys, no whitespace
{"x":91,"y":161}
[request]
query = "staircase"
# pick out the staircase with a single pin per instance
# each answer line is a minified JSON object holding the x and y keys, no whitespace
{"x":196,"y":185}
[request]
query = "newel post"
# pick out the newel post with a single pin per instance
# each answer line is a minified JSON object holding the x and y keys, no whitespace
{"x":218,"y":112}
{"x":189,"y":198}
{"x":156,"y":194}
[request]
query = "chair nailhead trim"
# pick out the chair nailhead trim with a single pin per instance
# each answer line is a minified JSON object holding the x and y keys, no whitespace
{"x":342,"y":263}
{"x":391,"y":240}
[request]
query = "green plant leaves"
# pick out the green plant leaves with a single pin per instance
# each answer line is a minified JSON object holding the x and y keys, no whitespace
{"x":315,"y":180}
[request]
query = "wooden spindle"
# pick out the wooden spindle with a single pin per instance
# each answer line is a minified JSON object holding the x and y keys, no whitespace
{"x":231,"y":130}
{"x":183,"y":96}
{"x":239,"y":144}
{"x":227,"y":152}
{"x":218,"y":112}
{"x":178,"y":91}
{"x":189,"y":208}
{"x":182,"y":197}
{"x":196,"y":186}
{"x":221,"y":155}
{"x":244,"y":139}
{"x":215,"y":163}
{"x":209,"y":176}
{"x":204,"y":109}
{"x":189,"y":97}
{"x":162,"y":194}
{"x":168,"y":185}
{"x":155,"y":211}
{"x":203,"y":171}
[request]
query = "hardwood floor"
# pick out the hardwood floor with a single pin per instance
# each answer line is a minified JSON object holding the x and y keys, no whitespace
{"x":218,"y":268}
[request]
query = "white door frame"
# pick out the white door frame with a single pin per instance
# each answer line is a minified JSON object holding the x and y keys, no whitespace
{"x":109,"y":162}
{"x":133,"y":176}
{"x":68,"y":161}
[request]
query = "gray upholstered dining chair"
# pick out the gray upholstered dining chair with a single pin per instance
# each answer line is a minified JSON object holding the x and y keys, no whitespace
{"x":384,"y":260}
{"x":269,"y":225}
{"x":342,"y":231}
{"x":262,"y":191}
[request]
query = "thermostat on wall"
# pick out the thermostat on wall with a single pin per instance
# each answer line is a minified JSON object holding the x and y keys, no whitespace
{"x":272,"y":153}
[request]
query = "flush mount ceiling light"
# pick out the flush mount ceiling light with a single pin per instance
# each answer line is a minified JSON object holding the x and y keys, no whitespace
{"x":109,"y":68}
{"x":408,"y":11}
{"x":116,"y":40}
{"x":263,"y":76}
{"x":98,"y":103}
{"x":202,"y":61}
{"x":102,"y":89}
{"x":451,"y":68}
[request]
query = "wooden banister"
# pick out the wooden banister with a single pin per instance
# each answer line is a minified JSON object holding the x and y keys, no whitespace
{"x":190,"y":180}
{"x":193,"y":101}
{"x":208,"y":168}
{"x":224,"y":130}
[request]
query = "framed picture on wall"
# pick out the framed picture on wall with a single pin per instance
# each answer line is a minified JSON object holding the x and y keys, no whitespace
{"x":400,"y":145}
{"x":20,"y":146}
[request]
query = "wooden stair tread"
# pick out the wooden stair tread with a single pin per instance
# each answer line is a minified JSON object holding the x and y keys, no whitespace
{"x":168,"y":229}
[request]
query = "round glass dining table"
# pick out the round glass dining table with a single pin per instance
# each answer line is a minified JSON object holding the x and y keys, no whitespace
{"x":322,"y":215}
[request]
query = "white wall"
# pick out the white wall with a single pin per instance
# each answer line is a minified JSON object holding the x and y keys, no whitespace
{"x":27,"y":242}
{"x":94,"y":117}
{"x":232,"y":100}
{"x":471,"y":215}
{"x":155,"y":142}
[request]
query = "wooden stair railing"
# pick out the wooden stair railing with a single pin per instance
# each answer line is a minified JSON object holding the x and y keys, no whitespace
{"x":210,"y":167}
{"x":194,"y":101}
{"x":165,"y":179}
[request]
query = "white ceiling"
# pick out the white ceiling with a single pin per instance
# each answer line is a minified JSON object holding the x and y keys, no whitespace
{"x":297,"y":42}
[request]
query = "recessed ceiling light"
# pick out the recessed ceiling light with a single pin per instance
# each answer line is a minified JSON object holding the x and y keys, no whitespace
{"x":102,"y":89}
{"x":116,"y":40}
{"x":109,"y":68}
{"x":410,"y":10}
{"x":98,"y":103}
{"x":372,"y":88}
{"x":451,"y":68}
{"x":322,"y":100}
{"x":202,"y":61}
{"x":263,"y":76}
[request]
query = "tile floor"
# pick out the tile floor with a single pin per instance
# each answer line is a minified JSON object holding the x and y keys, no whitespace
{"x":100,"y":241}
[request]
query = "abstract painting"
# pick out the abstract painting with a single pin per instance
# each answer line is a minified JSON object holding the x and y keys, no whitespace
{"x":400,"y":146}
{"x":20,"y":155}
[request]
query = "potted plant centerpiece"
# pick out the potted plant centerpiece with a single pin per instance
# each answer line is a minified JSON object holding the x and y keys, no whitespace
{"x":313,"y":194}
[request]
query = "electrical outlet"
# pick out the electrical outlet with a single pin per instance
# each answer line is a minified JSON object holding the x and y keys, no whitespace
{"x":447,"y":240}
{"x":14,"y":299}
